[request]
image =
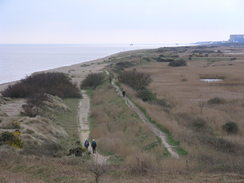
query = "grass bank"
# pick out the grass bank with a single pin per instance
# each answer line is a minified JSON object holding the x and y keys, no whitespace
{"x":118,"y":130}
{"x":69,"y":121}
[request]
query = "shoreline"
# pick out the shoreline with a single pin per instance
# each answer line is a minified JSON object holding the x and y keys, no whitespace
{"x":76,"y":70}
{"x":67,"y":69}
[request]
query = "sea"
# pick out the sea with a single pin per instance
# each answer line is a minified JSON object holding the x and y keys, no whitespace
{"x":18,"y":61}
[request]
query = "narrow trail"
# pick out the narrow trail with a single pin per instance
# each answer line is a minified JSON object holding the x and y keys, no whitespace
{"x":84,"y":131}
{"x":142,"y":116}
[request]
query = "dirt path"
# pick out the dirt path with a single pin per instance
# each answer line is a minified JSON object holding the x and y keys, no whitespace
{"x":84,"y":109}
{"x":141,"y":115}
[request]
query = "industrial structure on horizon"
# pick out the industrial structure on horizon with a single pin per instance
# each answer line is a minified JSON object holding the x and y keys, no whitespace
{"x":236,"y":38}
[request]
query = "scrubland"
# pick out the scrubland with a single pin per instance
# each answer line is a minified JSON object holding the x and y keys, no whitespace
{"x":206,"y":119}
{"x":199,"y":110}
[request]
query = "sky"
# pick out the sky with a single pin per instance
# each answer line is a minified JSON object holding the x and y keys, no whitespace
{"x":119,"y":21}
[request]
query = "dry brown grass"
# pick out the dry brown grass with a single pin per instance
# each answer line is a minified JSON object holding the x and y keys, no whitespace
{"x":119,"y":132}
{"x":189,"y":97}
{"x":15,"y":168}
{"x":18,"y":168}
{"x":117,"y":129}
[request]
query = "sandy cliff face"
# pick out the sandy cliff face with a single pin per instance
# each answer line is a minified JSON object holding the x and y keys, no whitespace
{"x":34,"y":132}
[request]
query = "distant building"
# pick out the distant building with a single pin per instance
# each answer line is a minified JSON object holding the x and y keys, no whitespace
{"x":237,"y":38}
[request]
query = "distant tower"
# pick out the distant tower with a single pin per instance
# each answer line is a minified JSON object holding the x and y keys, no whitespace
{"x":236,"y":38}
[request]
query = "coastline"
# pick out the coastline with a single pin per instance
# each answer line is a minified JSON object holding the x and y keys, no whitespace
{"x":78,"y":71}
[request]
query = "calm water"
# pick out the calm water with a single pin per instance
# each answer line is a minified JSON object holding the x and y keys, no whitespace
{"x":211,"y":80}
{"x":18,"y":61}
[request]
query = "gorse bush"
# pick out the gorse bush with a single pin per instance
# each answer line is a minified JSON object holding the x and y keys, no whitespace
{"x":58,"y":84}
{"x":230,"y":127}
{"x":93,"y":81}
{"x":11,"y":139}
{"x":136,"y":80}
{"x":177,"y":63}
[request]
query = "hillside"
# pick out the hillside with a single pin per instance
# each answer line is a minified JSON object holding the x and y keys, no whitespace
{"x":169,"y":96}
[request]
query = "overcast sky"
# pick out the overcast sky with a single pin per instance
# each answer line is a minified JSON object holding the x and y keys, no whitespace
{"x":119,"y":21}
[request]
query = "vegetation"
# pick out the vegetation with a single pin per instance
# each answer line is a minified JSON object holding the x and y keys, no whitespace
{"x":146,"y":95}
{"x":123,"y":65}
{"x":92,"y":81}
{"x":230,"y":127}
{"x":126,"y":134}
{"x":216,"y":100}
{"x":136,"y":80}
{"x":139,"y":82}
{"x":11,"y":138}
{"x":161,"y":58}
{"x":178,"y":63}
{"x":198,"y":124}
{"x":170,"y":137}
{"x":214,"y":146}
{"x":57,"y":84}
{"x":69,"y":121}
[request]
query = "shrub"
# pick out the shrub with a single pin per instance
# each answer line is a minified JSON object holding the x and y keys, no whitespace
{"x":163,"y":103}
{"x":93,"y":81}
{"x":177,"y":63}
{"x":29,"y":110}
{"x":10,"y":139}
{"x":146,"y":95}
{"x":199,"y":124}
{"x":136,"y":80}
{"x":52,"y":83}
{"x":47,"y":148}
{"x":216,"y":100}
{"x":141,"y":164}
{"x":123,"y":65}
{"x":163,"y":59}
{"x":37,"y":99}
{"x":230,"y":127}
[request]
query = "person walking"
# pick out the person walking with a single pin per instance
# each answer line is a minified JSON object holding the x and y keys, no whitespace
{"x":94,"y":146}
{"x":123,"y":93}
{"x":86,"y":144}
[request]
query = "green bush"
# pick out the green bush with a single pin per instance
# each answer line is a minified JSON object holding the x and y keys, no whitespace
{"x":92,"y":81}
{"x":136,"y":80}
{"x":216,"y":100}
{"x":58,"y":84}
{"x":177,"y":63}
{"x":230,"y":127}
{"x":146,"y":95}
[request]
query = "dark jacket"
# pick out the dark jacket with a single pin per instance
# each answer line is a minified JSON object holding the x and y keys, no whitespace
{"x":94,"y":144}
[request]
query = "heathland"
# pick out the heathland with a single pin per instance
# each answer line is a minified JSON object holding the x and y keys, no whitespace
{"x":193,"y":97}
